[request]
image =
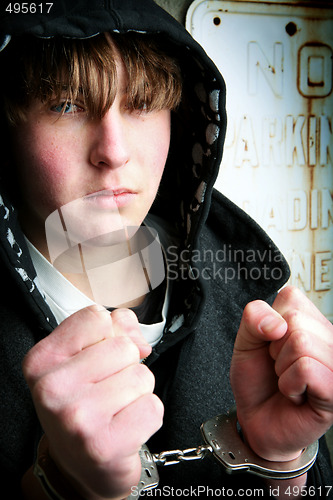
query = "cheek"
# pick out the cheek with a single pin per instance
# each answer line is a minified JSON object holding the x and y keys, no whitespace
{"x":160,"y":144}
{"x":41,"y":168}
{"x":50,"y":165}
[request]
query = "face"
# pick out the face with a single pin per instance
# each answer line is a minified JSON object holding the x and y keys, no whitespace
{"x":103,"y":174}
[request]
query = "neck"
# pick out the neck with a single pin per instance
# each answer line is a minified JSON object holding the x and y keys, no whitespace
{"x":111,"y":275}
{"x":81,"y":282}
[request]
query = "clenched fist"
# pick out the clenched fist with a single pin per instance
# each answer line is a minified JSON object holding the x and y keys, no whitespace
{"x":282,"y":375}
{"x":94,"y":399}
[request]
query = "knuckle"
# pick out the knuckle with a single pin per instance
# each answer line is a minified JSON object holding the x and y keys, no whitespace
{"x":94,"y":319}
{"x":98,"y":312}
{"x":253,"y":315}
{"x":47,"y":391}
{"x":33,"y":362}
{"x":125,"y":347}
{"x":302,"y":367}
{"x":292,"y":294}
{"x":29,"y":367}
{"x":125,"y":317}
{"x":75,"y":420}
{"x":251,"y":309}
{"x":155,"y":408}
{"x":300,"y":343}
{"x":294,"y":319}
{"x":125,"y":320}
{"x":143,"y":377}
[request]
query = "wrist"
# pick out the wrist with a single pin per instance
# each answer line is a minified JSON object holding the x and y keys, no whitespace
{"x":269,"y":454}
{"x":54,"y":483}
{"x":229,"y":448}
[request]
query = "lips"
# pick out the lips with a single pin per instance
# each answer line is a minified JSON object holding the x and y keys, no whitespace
{"x":111,"y":198}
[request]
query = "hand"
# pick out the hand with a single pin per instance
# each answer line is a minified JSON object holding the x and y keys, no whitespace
{"x":94,"y":399}
{"x":282,"y":375}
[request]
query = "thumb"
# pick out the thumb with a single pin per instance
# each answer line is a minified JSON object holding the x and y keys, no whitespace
{"x":260,"y":324}
{"x":125,"y":323}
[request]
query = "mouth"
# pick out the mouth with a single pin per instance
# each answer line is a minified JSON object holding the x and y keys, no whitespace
{"x":110,"y":198}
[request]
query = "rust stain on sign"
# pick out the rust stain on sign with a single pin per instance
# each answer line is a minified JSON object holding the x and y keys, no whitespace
{"x":277,"y":59}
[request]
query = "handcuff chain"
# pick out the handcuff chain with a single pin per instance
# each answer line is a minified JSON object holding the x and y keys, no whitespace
{"x":174,"y":457}
{"x":223,"y":440}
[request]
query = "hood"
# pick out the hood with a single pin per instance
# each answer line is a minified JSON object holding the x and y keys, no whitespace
{"x":197,"y":138}
{"x":193,"y":161}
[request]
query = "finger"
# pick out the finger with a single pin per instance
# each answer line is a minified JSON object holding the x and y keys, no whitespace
{"x":308,"y":379}
{"x":124,"y":388}
{"x":125,"y":322}
{"x":128,"y":430}
{"x":82,"y":329}
{"x":291,"y":298}
{"x":94,"y":405}
{"x":135,"y":425}
{"x":301,"y":315}
{"x":306,"y":337}
{"x":259,"y":325}
{"x":90,"y":366}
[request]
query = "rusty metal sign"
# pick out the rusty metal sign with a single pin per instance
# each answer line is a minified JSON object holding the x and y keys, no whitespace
{"x":276,"y":58}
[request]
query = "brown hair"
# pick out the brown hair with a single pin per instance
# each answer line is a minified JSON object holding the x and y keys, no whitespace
{"x":61,"y":69}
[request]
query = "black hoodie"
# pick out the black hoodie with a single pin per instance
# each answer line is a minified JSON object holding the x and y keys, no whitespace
{"x":191,"y":363}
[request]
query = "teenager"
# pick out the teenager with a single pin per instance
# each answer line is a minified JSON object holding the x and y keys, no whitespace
{"x":133,"y":290}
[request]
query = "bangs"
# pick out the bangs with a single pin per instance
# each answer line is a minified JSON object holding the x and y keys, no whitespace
{"x":86,"y":71}
{"x":154,"y":78}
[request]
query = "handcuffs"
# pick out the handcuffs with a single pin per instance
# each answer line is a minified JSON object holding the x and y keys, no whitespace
{"x":222,"y":439}
{"x":225,"y":442}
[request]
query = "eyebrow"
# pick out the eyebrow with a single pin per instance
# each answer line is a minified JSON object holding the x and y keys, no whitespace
{"x":66,"y":89}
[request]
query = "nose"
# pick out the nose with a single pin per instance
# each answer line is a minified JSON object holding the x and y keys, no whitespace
{"x":110,"y":141}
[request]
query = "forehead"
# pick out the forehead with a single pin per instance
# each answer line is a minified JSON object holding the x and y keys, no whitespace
{"x":92,"y":69}
{"x":121,"y":73}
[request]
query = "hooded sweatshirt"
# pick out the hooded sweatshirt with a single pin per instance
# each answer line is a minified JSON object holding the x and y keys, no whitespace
{"x":222,"y":260}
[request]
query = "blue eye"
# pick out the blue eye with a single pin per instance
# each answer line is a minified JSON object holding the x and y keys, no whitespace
{"x":65,"y":108}
{"x":142,"y":107}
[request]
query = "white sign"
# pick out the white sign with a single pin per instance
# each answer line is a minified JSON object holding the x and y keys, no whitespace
{"x":276,"y":59}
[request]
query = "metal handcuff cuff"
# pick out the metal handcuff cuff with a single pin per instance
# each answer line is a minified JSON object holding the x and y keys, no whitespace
{"x":224,"y":441}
